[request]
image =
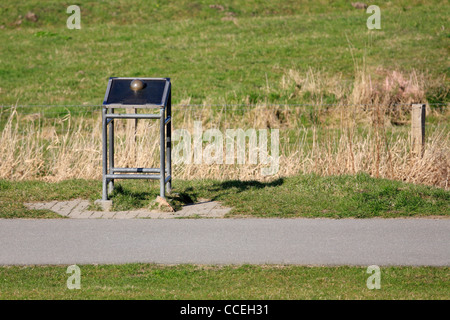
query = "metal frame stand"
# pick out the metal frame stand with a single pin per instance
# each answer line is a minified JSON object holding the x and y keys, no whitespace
{"x":110,"y":172}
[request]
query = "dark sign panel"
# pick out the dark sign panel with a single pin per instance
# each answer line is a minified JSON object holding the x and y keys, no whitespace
{"x":149,"y":91}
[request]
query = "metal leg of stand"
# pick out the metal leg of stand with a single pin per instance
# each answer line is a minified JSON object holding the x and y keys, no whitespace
{"x":169,"y":144}
{"x":162,"y":154}
{"x":111,"y":153}
{"x":104,"y":155}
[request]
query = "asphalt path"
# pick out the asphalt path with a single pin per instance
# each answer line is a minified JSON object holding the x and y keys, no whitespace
{"x":363,"y":242}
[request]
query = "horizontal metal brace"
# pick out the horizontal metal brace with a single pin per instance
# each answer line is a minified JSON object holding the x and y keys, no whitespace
{"x":133,"y":106}
{"x":132,"y":116}
{"x":133,"y":176}
{"x":136,"y":170}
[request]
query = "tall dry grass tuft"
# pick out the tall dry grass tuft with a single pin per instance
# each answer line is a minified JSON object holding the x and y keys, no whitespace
{"x":389,"y":88}
{"x":381,"y":157}
{"x":368,"y":94}
{"x":315,"y":84}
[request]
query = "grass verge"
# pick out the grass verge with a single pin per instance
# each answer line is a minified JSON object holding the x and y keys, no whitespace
{"x":13,"y":195}
{"x":312,"y":196}
{"x":149,"y":281}
{"x":346,"y":196}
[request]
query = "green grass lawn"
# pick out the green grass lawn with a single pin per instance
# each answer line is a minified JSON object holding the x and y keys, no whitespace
{"x":358,"y":196}
{"x":147,"y":281}
{"x":235,"y":55}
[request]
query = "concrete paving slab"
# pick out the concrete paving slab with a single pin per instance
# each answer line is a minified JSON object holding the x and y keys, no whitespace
{"x":133,"y":214}
{"x":67,"y":208}
{"x":36,"y":205}
{"x":81,"y":206}
{"x":84,"y":215}
{"x":96,"y":215}
{"x":143,"y":214}
{"x":108,"y":215}
{"x":122,"y":215}
{"x":77,"y":209}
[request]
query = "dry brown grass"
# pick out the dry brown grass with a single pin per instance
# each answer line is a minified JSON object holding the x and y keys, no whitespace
{"x":370,"y":93}
{"x":361,"y":138}
{"x":37,"y":151}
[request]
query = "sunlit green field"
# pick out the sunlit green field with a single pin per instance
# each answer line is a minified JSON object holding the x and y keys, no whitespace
{"x":144,"y":281}
{"x":237,"y":53}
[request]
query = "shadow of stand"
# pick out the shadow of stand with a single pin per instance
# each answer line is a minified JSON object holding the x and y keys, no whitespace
{"x":238,"y":186}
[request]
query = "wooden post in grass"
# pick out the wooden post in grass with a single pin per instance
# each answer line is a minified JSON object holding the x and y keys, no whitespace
{"x":418,"y":129}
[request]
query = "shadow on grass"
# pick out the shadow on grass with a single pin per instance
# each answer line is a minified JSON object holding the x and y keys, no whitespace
{"x":130,"y":196}
{"x":237,"y":186}
{"x":126,"y":197}
{"x":119,"y":190}
{"x":245,"y":185}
